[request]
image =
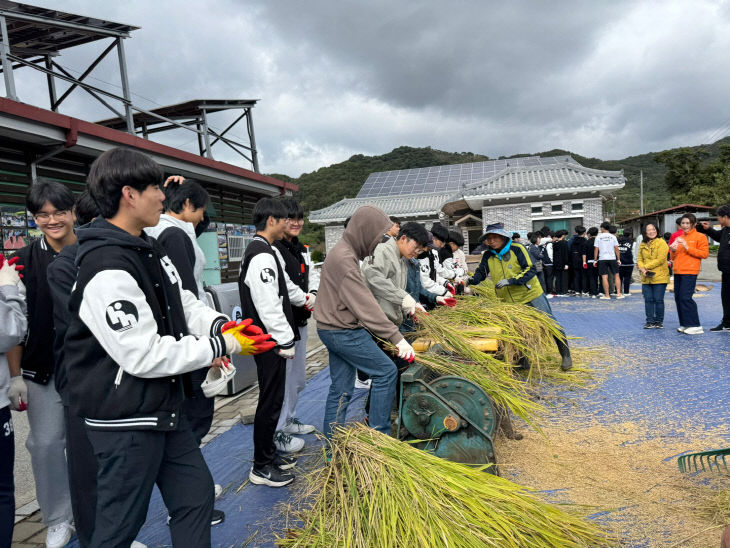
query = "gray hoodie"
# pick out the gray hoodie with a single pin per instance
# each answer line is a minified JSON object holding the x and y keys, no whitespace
{"x":386,"y":274}
{"x":344,"y":301}
{"x":12,"y":330}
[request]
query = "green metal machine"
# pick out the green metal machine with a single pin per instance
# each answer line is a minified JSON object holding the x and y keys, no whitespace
{"x":453,"y":416}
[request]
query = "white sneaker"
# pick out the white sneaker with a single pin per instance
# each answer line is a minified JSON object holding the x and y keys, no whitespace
{"x":217,"y":490}
{"x":58,"y":535}
{"x":622,"y":296}
{"x":681,"y":329}
{"x":137,"y":544}
{"x":295,"y":426}
{"x":363,"y":384}
{"x":217,"y":379}
{"x":547,"y":296}
{"x":286,"y":443}
{"x":693,"y":330}
{"x":604,"y":298}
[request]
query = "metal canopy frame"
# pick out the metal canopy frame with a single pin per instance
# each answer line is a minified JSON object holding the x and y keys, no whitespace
{"x":31,"y":36}
{"x":195,"y":113}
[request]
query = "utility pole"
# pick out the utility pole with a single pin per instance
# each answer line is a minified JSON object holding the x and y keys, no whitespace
{"x":641,"y":187}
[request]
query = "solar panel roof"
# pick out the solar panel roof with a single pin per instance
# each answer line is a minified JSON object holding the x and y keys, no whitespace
{"x":449,"y":178}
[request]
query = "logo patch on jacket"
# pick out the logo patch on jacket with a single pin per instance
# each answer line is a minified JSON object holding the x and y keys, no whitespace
{"x":170,"y":270}
{"x":121,"y":315}
{"x":267,"y":275}
{"x":424,"y":268}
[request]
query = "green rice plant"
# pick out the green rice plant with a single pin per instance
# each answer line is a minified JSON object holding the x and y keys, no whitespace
{"x":383,"y":493}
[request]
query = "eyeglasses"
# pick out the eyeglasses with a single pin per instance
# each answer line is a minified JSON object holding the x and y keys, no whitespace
{"x":60,"y":215}
{"x":295,"y":221}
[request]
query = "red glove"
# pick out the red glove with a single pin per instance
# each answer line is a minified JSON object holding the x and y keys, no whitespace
{"x":450,"y":288}
{"x":11,"y":262}
{"x":585,"y":265}
{"x":446,"y":301}
{"x":244,"y":338}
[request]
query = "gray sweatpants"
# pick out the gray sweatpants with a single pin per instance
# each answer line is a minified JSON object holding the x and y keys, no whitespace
{"x":296,"y":379}
{"x":47,"y":446}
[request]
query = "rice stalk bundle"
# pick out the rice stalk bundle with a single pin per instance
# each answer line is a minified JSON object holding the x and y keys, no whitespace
{"x":380,"y":492}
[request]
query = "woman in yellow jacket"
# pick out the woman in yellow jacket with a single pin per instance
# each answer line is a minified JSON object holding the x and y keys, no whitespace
{"x":652,"y":262}
{"x":687,"y":251}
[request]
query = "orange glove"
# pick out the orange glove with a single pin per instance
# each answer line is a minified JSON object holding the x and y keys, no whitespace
{"x":246,"y":339}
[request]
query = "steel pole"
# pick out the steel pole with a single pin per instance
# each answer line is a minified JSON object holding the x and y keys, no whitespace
{"x":125,"y":87}
{"x":7,"y":65}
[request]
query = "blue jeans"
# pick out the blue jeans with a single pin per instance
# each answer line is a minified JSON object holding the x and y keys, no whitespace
{"x":352,"y":349}
{"x":684,"y":288}
{"x":654,"y":302}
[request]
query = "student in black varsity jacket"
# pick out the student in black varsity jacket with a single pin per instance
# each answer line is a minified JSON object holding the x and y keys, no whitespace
{"x":265,"y":298}
{"x":51,"y":205}
{"x":305,"y":281}
{"x":134,"y":334}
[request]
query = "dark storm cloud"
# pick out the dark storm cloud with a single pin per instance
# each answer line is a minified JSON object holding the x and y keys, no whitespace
{"x":337,"y":78}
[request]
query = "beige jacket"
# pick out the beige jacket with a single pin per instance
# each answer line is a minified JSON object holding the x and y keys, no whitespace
{"x":344,"y":300}
{"x":386,"y":274}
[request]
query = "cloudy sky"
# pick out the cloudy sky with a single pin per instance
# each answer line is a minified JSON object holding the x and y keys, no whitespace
{"x":341,"y":77}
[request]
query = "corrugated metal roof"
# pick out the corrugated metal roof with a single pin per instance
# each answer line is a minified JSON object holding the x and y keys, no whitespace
{"x":564,"y":177}
{"x":414,"y":205}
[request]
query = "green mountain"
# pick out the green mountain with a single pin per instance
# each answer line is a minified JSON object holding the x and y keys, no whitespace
{"x":330,"y":184}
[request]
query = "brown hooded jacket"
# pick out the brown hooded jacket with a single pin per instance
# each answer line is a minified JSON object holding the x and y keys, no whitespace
{"x":343,"y":299}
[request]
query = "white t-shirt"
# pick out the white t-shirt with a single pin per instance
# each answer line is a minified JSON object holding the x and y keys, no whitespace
{"x":606,"y":242}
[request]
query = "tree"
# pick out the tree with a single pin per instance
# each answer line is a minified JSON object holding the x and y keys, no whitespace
{"x":684,"y":170}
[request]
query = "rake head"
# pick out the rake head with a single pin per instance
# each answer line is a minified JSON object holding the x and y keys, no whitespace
{"x":707,"y":461}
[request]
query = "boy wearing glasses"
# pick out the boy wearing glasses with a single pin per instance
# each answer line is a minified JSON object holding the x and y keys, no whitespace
{"x":51,"y":205}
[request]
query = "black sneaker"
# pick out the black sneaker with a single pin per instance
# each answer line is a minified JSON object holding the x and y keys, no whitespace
{"x":270,"y":475}
{"x":282,"y":462}
{"x":648,"y":325}
{"x":659,"y":325}
{"x":218,"y":517}
{"x":719,"y":328}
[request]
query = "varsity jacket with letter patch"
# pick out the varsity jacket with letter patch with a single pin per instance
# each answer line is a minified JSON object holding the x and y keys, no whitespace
{"x":264,"y":294}
{"x":134,"y":333}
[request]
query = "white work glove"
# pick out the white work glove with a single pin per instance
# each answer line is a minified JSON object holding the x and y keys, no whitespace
{"x":408,"y":305}
{"x":405,"y":351}
{"x":8,"y":273}
{"x":419,"y":307}
{"x":18,"y":393}
{"x":287,"y":353}
{"x":309,"y":300}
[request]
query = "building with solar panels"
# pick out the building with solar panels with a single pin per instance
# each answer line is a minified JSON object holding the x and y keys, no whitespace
{"x":523,"y":193}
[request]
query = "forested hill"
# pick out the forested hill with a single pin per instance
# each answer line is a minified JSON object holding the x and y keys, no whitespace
{"x":330,"y":184}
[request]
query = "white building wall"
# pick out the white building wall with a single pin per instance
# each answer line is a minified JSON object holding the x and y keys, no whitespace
{"x":519,"y":217}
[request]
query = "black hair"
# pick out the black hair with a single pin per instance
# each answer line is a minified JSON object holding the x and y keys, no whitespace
{"x":678,"y":221}
{"x":265,"y":208}
{"x":643,"y":231}
{"x":690,"y":217}
{"x":580,"y":230}
{"x":395,"y":220}
{"x":440,"y":231}
{"x":593,"y":231}
{"x":414,"y":231}
{"x":546,"y":232}
{"x":43,"y":191}
{"x":456,"y":237}
{"x":667,"y":236}
{"x":86,"y":208}
{"x":723,"y":210}
{"x":515,"y":235}
{"x":605,"y":225}
{"x":347,"y":221}
{"x":177,"y":194}
{"x":613,"y":229}
{"x":295,"y":210}
{"x":115,"y":169}
{"x":533,"y":237}
{"x":628,"y":233}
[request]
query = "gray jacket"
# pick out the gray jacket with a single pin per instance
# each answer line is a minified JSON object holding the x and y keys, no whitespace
{"x":12,"y":330}
{"x":386,"y":275}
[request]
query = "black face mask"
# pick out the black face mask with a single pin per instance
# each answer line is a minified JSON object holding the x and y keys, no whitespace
{"x":202,"y":225}
{"x":424,"y":255}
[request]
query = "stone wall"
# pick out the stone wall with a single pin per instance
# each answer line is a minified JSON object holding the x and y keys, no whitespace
{"x":519,"y":217}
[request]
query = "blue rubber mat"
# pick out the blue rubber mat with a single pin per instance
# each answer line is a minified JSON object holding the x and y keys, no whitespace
{"x":665,"y":378}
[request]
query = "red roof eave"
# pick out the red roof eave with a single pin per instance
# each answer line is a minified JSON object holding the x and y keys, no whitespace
{"x":75,"y":125}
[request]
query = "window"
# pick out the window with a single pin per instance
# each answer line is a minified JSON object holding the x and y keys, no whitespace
{"x":537,"y":210}
{"x":576,"y":206}
{"x":557,"y":208}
